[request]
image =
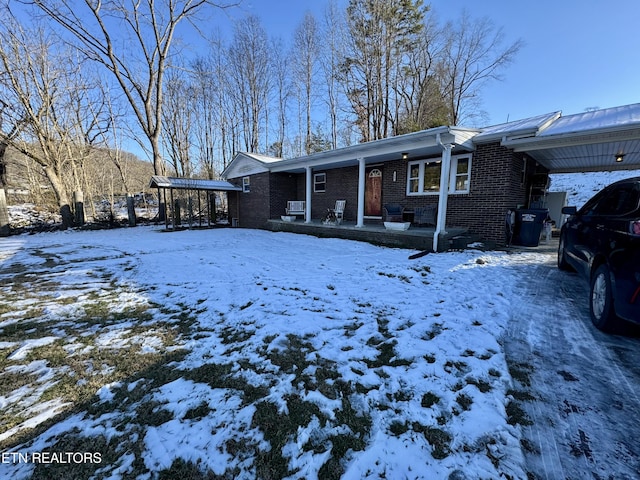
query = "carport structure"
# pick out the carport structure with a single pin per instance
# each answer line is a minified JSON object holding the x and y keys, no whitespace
{"x":594,"y":141}
{"x":185,"y":190}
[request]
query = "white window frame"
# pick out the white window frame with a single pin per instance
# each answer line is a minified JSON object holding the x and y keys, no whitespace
{"x":453,"y":177}
{"x":317,"y":182}
{"x":246,"y":184}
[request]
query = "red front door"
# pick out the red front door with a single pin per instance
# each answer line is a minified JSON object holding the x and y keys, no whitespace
{"x":373,"y":192}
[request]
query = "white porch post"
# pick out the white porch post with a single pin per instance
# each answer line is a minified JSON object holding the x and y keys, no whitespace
{"x":361,"y":183}
{"x":307,"y":205}
{"x":445,"y":175}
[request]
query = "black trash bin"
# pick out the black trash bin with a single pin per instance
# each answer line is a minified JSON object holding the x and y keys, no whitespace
{"x":529,"y":224}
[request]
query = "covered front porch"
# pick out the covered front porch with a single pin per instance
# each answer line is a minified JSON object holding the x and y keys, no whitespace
{"x":419,"y":238}
{"x":362,"y":185}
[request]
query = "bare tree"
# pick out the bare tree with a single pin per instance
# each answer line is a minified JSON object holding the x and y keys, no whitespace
{"x":381,"y":33}
{"x":421,"y":102}
{"x":306,"y":50}
{"x":178,"y":123}
{"x":206,"y":122}
{"x":280,"y":62}
{"x":138,"y":61}
{"x":249,"y":64}
{"x":330,"y":53}
{"x":473,"y":55}
{"x":53,"y":117}
{"x":218,"y":120}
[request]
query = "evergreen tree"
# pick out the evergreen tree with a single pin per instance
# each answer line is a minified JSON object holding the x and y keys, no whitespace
{"x":381,"y":34}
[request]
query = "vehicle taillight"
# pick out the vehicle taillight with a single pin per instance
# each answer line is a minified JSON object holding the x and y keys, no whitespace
{"x":634,"y":227}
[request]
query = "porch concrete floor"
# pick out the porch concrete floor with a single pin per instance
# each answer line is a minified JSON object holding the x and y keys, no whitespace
{"x":420,"y":238}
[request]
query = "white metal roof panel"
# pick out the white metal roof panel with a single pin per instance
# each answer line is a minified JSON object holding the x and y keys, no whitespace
{"x":181,"y":183}
{"x":527,"y":127}
{"x":594,"y":121}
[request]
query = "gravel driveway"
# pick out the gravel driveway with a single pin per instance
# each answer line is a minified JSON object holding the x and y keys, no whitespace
{"x":578,"y":387}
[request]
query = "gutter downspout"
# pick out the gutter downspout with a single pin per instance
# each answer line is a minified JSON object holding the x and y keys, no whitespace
{"x":445,"y":174}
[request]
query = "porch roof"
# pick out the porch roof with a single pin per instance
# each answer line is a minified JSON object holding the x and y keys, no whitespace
{"x":426,"y":143}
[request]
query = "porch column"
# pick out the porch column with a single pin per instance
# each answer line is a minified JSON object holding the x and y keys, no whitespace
{"x":361,"y":183}
{"x":445,"y":175}
{"x":307,"y":204}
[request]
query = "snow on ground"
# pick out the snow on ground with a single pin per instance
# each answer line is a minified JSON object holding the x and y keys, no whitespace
{"x":250,"y":354}
{"x":582,"y":186}
{"x":284,"y":355}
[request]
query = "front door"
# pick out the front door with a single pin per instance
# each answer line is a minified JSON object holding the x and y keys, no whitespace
{"x":373,"y":192}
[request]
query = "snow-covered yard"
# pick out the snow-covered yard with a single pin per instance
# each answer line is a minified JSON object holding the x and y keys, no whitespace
{"x":234,"y":353}
{"x":253,"y":354}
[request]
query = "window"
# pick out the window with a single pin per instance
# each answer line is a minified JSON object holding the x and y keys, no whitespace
{"x":424,"y":176}
{"x":246,"y":184}
{"x":431,"y":177}
{"x":414,"y":178}
{"x":462,"y":175}
{"x":319,"y":182}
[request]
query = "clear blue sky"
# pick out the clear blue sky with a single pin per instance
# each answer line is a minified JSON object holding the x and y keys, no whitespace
{"x":578,"y":54}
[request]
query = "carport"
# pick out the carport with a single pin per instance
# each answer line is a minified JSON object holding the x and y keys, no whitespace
{"x":190,"y":192}
{"x":593,"y":141}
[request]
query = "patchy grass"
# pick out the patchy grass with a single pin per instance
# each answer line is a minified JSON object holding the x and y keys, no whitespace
{"x":439,"y":439}
{"x":92,"y":339}
{"x":521,"y":372}
{"x":278,"y":397}
{"x":429,"y":399}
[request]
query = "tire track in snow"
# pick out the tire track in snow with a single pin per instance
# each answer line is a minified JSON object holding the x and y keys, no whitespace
{"x":586,"y":383}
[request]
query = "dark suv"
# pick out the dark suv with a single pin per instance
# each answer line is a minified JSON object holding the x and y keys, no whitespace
{"x":601,"y":241}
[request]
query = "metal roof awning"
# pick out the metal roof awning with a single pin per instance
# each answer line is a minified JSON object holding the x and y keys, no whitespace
{"x":182,"y":183}
{"x":600,"y":140}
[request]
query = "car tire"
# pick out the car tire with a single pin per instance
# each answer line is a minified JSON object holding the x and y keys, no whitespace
{"x":562,"y":255}
{"x":603,"y":314}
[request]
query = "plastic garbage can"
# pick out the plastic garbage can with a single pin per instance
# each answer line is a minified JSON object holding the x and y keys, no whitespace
{"x":529,"y":224}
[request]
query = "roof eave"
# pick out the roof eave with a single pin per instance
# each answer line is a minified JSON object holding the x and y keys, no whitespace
{"x":606,"y":134}
{"x":378,"y":148}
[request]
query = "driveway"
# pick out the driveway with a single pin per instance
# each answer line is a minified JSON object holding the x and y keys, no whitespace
{"x":578,"y":388}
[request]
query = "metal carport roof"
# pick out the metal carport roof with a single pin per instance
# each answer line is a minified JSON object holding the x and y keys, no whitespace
{"x":181,"y":183}
{"x":599,"y":140}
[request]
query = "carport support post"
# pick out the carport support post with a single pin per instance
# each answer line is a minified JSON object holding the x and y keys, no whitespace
{"x":445,"y":174}
{"x":307,"y":207}
{"x":361,"y":187}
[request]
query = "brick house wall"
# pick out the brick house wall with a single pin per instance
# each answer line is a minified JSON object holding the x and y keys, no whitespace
{"x":498,"y":182}
{"x":496,"y":185}
{"x":252,"y":208}
{"x":266,"y":199}
{"x":284,"y":187}
{"x":342,"y":184}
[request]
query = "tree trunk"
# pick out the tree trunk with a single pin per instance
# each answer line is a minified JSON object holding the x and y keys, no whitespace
{"x":4,"y":215}
{"x":158,"y":169}
{"x":78,"y":207}
{"x":61,"y":196}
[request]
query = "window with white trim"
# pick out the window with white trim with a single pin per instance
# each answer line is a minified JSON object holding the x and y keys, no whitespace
{"x":246,"y":184}
{"x":319,"y":182}
{"x":424,"y":175}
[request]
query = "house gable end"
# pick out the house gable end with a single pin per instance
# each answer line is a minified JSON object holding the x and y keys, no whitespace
{"x":244,"y":165}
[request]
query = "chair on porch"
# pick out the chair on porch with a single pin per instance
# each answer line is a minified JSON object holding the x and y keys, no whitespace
{"x":393,"y":212}
{"x":339,"y":210}
{"x":425,"y":215}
